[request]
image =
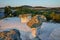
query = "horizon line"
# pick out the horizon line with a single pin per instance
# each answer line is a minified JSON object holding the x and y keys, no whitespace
{"x":29,"y":5}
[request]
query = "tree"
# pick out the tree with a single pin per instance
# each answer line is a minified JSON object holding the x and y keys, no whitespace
{"x":47,"y":15}
{"x":55,"y":16}
{"x":8,"y":11}
{"x":17,"y":13}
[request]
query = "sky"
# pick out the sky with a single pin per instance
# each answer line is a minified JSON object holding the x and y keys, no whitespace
{"x":45,"y":3}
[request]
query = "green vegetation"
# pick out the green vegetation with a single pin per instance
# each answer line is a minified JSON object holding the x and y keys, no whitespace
{"x":48,"y":13}
{"x":8,"y":12}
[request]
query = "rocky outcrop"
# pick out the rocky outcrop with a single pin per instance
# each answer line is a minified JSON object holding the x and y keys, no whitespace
{"x":10,"y":35}
{"x":36,"y":21}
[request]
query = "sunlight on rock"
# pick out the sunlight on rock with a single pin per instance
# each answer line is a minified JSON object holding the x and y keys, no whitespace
{"x":24,"y":18}
{"x":34,"y":32}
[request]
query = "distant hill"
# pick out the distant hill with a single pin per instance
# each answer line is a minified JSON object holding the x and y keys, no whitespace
{"x":2,"y":7}
{"x":39,"y":7}
{"x":27,"y":6}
